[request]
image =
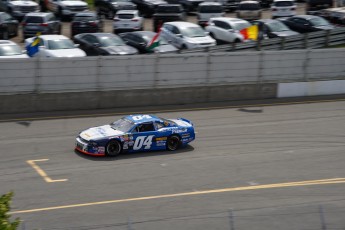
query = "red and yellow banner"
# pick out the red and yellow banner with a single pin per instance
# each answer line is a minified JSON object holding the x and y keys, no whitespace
{"x":251,"y":32}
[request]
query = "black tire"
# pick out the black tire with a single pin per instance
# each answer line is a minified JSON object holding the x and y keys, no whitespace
{"x":5,"y":35}
{"x":173,"y":143}
{"x":113,"y":148}
{"x":183,"y":47}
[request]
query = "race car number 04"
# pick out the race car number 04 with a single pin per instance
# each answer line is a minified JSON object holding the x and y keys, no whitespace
{"x":143,"y":141}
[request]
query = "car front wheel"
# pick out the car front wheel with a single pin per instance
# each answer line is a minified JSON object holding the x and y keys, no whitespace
{"x":173,"y":143}
{"x":113,"y":148}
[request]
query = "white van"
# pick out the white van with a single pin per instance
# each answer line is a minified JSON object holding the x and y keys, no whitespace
{"x":207,"y":10}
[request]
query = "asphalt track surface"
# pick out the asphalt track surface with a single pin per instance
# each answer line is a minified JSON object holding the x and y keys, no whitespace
{"x":261,"y":167}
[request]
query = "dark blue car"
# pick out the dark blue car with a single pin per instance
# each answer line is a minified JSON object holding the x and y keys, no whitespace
{"x":134,"y":133}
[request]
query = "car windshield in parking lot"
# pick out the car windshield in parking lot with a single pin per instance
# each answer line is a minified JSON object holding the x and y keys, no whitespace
{"x":111,"y":41}
{"x":193,"y":32}
{"x":34,"y":19}
{"x":277,"y":27}
{"x":210,"y":9}
{"x":125,"y":16}
{"x":60,"y":44}
{"x":283,"y":3}
{"x":123,"y":125}
{"x":319,"y":22}
{"x":249,"y":6}
{"x":9,"y":50}
{"x":84,"y":18}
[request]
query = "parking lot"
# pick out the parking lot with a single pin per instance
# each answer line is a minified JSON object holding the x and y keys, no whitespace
{"x":66,"y":30}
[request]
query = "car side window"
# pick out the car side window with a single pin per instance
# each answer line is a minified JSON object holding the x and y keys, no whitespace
{"x":222,"y":25}
{"x":159,"y":125}
{"x":168,"y":27}
{"x":175,"y":30}
{"x":145,"y":127}
{"x":90,"y":39}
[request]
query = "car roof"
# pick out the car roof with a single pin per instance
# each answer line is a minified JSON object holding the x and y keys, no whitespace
{"x":210,"y":4}
{"x":267,"y":20}
{"x":7,"y":42}
{"x":102,"y":34}
{"x":182,"y":24}
{"x":88,"y":13}
{"x":143,"y":33}
{"x":144,"y":118}
{"x":305,"y":16}
{"x":53,"y":36}
{"x":247,"y":2}
{"x":283,"y":0}
{"x":226,"y":19}
{"x":38,"y":14}
{"x":127,"y":11}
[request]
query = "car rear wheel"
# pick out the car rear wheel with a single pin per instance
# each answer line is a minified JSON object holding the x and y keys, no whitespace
{"x":173,"y":143}
{"x":113,"y":148}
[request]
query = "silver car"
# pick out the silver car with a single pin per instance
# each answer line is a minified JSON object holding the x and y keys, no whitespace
{"x":127,"y":20}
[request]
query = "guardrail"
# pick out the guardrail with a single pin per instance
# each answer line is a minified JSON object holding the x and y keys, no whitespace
{"x":313,"y":40}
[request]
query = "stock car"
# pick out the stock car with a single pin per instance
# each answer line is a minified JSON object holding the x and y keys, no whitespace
{"x":134,"y":133}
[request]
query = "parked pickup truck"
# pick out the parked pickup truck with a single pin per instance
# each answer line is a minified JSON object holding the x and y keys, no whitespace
{"x":168,"y":13}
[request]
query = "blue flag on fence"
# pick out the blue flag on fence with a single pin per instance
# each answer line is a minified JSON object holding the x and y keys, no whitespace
{"x":33,"y":47}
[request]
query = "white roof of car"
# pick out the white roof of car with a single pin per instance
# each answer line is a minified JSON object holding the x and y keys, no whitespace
{"x":283,"y":0}
{"x":182,"y":24}
{"x":53,"y":37}
{"x":246,"y":2}
{"x":210,"y":4}
{"x":226,"y":19}
{"x":7,"y":42}
{"x":127,"y":12}
{"x":38,"y":14}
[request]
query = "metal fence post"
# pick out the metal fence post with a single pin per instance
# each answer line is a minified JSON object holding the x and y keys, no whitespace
{"x":231,"y":220}
{"x":322,"y":218}
{"x":306,"y":65}
{"x":38,"y":75}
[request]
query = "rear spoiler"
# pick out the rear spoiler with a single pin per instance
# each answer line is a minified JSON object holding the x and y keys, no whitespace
{"x":184,"y":119}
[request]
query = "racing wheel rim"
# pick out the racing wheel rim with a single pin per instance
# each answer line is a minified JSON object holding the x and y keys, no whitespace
{"x":173,"y":143}
{"x":113,"y":148}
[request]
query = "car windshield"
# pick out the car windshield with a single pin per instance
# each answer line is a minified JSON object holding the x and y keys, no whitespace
{"x":318,"y":21}
{"x":278,"y":27}
{"x":193,"y":32}
{"x":211,"y":9}
{"x":283,"y":3}
{"x":240,"y":25}
{"x":34,"y":20}
{"x":10,"y":50}
{"x":162,"y":41}
{"x":249,"y":6}
{"x":123,"y":125}
{"x":84,"y":18}
{"x":60,"y":44}
{"x":111,"y":41}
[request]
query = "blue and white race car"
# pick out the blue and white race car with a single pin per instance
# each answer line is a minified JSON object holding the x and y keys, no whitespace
{"x":135,"y":133}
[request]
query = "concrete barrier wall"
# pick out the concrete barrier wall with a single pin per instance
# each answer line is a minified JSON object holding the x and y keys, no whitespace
{"x":174,"y":70}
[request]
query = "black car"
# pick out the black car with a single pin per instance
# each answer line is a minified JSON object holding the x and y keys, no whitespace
{"x":141,"y":39}
{"x":86,"y":22}
{"x":167,"y":13}
{"x":307,"y":23}
{"x":8,"y":26}
{"x":108,"y":8}
{"x":148,"y":7}
{"x":44,"y":23}
{"x":270,"y":28}
{"x":95,"y":44}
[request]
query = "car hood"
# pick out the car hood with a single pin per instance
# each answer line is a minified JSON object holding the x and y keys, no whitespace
{"x":120,"y":50}
{"x":285,"y":33}
{"x":206,"y":39}
{"x":24,"y":3}
{"x":329,"y":27}
{"x":99,"y":132}
{"x":66,"y":53}
{"x":15,"y":56}
{"x":74,"y":3}
{"x":165,"y":48}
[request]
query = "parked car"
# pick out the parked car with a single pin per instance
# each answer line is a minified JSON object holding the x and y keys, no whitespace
{"x":44,"y":23}
{"x":230,"y":5}
{"x":88,"y":22}
{"x":56,"y":46}
{"x":167,"y":13}
{"x":249,"y":10}
{"x":207,"y":10}
{"x":108,"y":8}
{"x":127,"y":20}
{"x":19,"y":8}
{"x":283,"y":8}
{"x":8,"y":26}
{"x":190,"y":5}
{"x":186,"y":35}
{"x":270,"y":28}
{"x":227,"y":30}
{"x":103,"y":44}
{"x":307,"y":23}
{"x":66,"y":9}
{"x":9,"y":49}
{"x":148,"y":7}
{"x":314,"y":6}
{"x":141,"y":39}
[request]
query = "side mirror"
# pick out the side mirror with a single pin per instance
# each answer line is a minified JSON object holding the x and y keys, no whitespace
{"x":142,"y":44}
{"x":76,"y":45}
